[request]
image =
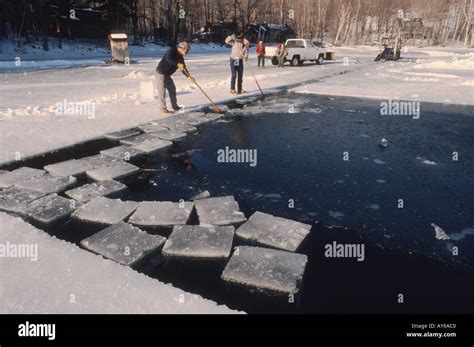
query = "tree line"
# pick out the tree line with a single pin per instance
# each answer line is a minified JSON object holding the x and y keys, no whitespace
{"x":340,"y":22}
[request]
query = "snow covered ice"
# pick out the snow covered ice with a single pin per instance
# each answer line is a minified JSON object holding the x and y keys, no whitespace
{"x":162,"y":214}
{"x":105,"y":211}
{"x":267,"y":230}
{"x":123,"y":153}
{"x":115,"y":171}
{"x":219,"y":211}
{"x":9,"y":179}
{"x":124,"y":244}
{"x":100,"y":286}
{"x":90,"y":191}
{"x":266,"y":269}
{"x":47,"y":184}
{"x":15,"y":199}
{"x":198,"y":242}
{"x":49,"y":209}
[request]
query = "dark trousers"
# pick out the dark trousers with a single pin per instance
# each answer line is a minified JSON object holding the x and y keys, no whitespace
{"x":261,"y":60}
{"x":237,"y":74}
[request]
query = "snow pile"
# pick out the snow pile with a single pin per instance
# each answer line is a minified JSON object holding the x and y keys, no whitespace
{"x":463,"y":62}
{"x":66,"y":279}
{"x":139,"y":75}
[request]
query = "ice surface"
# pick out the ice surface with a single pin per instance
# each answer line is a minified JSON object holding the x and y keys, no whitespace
{"x":124,"y":243}
{"x":174,"y":123}
{"x":15,"y":199}
{"x":194,"y":241}
{"x":105,"y":211}
{"x":120,"y":135}
{"x":49,"y":209}
{"x":203,"y":195}
{"x":10,"y":178}
{"x":267,"y":269}
{"x":90,"y":191}
{"x":161,"y":214}
{"x":97,"y":161}
{"x":67,"y":168}
{"x":152,"y":127}
{"x":80,"y":166}
{"x":64,"y":272}
{"x":219,"y":211}
{"x":123,"y":153}
{"x":137,"y":140}
{"x":48,"y":184}
{"x":153,"y":145}
{"x":170,"y":135}
{"x":115,"y":171}
{"x":267,"y":230}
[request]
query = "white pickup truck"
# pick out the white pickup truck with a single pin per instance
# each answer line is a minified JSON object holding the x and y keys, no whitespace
{"x":299,"y":51}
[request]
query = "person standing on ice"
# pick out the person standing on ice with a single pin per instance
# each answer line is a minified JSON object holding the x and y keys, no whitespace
{"x":281,"y":54}
{"x":237,"y":55}
{"x":171,"y":61}
{"x":261,"y":54}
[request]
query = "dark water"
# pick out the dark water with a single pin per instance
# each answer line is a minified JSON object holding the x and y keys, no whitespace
{"x":300,"y":157}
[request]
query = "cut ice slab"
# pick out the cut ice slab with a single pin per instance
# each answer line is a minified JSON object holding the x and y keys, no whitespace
{"x":194,"y":241}
{"x":266,"y":269}
{"x":161,"y":214}
{"x":114,"y":171}
{"x":151,"y":128}
{"x":93,"y":190}
{"x":67,"y":168}
{"x":78,"y":167}
{"x":153,"y":145}
{"x":48,"y":184}
{"x":9,"y":179}
{"x":105,"y":211}
{"x":124,"y":244}
{"x":15,"y":199}
{"x":170,"y":135}
{"x":120,"y":135}
{"x":219,"y":211}
{"x":49,"y":209}
{"x":137,"y":140}
{"x":275,"y":232}
{"x":123,"y":153}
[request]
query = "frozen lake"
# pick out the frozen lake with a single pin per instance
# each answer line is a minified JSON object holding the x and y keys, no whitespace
{"x":317,"y":160}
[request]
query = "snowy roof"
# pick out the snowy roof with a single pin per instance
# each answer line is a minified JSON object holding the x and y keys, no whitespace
{"x":118,"y":36}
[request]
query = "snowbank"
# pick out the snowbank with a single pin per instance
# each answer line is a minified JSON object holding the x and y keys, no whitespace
{"x":67,"y":279}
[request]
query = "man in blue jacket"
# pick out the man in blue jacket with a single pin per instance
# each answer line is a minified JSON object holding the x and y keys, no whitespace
{"x":171,"y":61}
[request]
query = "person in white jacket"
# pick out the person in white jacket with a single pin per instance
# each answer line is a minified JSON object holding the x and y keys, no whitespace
{"x":237,"y":55}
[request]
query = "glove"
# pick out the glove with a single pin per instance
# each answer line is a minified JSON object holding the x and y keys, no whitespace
{"x":181,"y":66}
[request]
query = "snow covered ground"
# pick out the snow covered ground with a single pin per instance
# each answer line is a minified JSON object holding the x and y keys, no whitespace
{"x":28,"y":98}
{"x":58,"y":277}
{"x":424,"y":75}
